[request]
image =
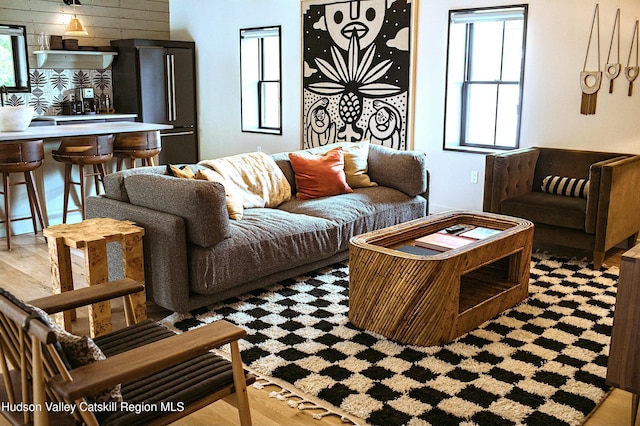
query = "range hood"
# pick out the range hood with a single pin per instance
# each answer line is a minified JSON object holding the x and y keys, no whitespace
{"x":74,"y":59}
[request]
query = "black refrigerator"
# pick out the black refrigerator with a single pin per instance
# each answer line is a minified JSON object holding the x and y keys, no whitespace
{"x":156,"y":79}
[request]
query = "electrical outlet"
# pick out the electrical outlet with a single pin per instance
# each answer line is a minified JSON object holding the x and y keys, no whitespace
{"x":259,"y":148}
{"x":474,"y":176}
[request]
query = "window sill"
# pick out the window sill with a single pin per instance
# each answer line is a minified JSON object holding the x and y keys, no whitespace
{"x":477,"y":150}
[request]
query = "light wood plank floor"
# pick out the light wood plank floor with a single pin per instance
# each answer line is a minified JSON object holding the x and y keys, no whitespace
{"x":25,"y":272}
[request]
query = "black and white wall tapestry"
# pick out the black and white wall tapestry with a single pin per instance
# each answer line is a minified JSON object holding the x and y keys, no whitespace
{"x":358,"y":71}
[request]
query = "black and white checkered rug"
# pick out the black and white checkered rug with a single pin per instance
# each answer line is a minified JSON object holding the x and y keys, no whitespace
{"x":542,"y":362}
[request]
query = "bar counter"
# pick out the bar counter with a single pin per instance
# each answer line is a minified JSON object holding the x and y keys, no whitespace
{"x":56,"y":132}
{"x":50,"y":177}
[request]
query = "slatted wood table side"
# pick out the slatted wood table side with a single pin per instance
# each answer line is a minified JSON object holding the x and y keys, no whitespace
{"x":623,"y":369}
{"x":431,"y":300}
{"x":92,"y":236}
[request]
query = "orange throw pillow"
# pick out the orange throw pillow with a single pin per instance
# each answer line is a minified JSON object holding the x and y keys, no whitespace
{"x":319,"y":175}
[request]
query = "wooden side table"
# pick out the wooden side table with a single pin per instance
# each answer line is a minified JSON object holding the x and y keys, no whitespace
{"x":623,"y":370}
{"x":93,"y":235}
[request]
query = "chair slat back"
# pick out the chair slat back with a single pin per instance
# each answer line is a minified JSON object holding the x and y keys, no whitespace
{"x":28,"y":346}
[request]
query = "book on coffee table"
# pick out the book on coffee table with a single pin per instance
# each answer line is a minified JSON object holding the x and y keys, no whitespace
{"x":420,"y":251}
{"x":479,"y":233}
{"x":442,"y":242}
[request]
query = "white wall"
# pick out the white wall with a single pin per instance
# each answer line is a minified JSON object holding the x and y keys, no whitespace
{"x":556,"y":42}
{"x":215,"y":27}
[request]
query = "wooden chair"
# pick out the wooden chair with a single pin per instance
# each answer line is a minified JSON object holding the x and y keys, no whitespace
{"x":134,"y":145}
{"x":95,"y":151}
{"x":166,"y":375}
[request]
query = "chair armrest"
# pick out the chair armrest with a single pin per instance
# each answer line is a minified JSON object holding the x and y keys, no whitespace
{"x":145,"y":360}
{"x":595,"y":174}
{"x":87,"y":295}
{"x":508,"y":175}
{"x":618,"y":216}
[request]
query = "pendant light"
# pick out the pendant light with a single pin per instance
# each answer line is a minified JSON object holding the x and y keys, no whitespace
{"x":75,"y":27}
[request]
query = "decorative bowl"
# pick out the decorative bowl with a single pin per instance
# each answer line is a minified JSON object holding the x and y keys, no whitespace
{"x":15,"y":118}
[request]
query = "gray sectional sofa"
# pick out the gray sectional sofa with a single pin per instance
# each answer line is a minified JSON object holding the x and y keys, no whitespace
{"x":195,"y":255}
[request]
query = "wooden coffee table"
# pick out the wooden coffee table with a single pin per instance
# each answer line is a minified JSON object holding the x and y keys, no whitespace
{"x":432,"y":299}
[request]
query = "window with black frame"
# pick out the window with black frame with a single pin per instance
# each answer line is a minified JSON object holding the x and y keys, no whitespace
{"x":485,"y":75}
{"x":14,"y":67}
{"x":260,"y":51}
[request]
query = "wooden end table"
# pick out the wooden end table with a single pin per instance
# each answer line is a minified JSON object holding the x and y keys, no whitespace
{"x":92,"y":235}
{"x":432,"y":299}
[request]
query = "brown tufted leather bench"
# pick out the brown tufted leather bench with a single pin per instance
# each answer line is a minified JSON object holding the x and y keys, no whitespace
{"x":607,"y":216}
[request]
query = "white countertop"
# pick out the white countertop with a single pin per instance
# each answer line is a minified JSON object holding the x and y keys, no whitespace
{"x":44,"y":132}
{"x":82,"y":117}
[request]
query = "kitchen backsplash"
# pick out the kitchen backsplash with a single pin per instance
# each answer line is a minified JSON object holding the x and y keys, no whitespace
{"x":51,"y":87}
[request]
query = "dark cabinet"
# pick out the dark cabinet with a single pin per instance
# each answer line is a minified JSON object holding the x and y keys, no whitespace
{"x":157,"y":80}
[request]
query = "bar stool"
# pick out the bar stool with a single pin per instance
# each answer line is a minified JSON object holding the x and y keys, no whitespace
{"x":134,"y":145}
{"x":94,"y":150}
{"x":21,"y":157}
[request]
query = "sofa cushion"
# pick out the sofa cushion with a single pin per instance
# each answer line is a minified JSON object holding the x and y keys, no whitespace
{"x":232,"y":200}
{"x":569,"y":187}
{"x":356,"y":161}
{"x":114,"y":182}
{"x":254,"y":177}
{"x":200,"y":203}
{"x":267,"y":241}
{"x":364,"y":210}
{"x":548,"y":209}
{"x":319,"y":175}
{"x":390,"y":167}
{"x":183,"y":172}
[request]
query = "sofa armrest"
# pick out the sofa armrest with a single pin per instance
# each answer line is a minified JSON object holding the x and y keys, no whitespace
{"x":593,"y":197}
{"x":200,"y":203}
{"x":618,"y":216}
{"x":405,"y":171}
{"x":508,"y":175}
{"x":164,"y":245}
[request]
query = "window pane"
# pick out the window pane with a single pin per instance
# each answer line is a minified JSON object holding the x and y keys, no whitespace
{"x":487,"y":51}
{"x":512,"y":66}
{"x":481,"y":114}
{"x":7,"y":72}
{"x":270,"y":107}
{"x":507,"y":121}
{"x":271,"y":58}
{"x":250,"y":74}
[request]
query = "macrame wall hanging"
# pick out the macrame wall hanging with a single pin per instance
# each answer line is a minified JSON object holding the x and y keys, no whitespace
{"x":590,"y":80}
{"x":612,"y":69}
{"x":631,"y":72}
